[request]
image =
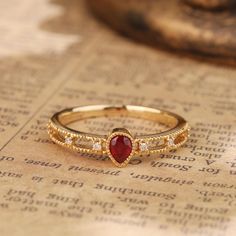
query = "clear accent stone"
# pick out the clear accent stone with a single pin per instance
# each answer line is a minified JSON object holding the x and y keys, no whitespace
{"x":97,"y":146}
{"x":68,"y":140}
{"x":170,"y":141}
{"x":143,"y":146}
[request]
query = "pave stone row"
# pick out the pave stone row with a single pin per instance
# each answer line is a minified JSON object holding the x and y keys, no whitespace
{"x":164,"y":143}
{"x":77,"y":142}
{"x":90,"y":144}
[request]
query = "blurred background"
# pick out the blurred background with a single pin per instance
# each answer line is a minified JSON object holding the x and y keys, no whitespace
{"x":177,"y":55}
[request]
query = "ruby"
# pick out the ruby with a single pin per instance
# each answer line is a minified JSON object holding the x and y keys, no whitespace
{"x":120,"y":147}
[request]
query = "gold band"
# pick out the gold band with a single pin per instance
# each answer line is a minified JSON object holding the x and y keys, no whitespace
{"x":119,"y":145}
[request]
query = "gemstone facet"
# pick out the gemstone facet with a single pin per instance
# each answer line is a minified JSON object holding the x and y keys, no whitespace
{"x":170,"y":141}
{"x":143,"y":146}
{"x":97,"y":146}
{"x":120,"y":147}
{"x":68,"y":140}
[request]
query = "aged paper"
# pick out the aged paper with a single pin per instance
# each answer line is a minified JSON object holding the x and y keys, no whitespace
{"x":46,"y":190}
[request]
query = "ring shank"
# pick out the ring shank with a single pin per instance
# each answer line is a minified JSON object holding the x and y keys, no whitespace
{"x":67,"y":116}
{"x":173,"y":137}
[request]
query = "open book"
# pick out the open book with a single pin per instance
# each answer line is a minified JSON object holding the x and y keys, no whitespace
{"x":56,"y":55}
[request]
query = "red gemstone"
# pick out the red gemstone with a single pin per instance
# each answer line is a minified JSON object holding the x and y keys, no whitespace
{"x":120,"y":148}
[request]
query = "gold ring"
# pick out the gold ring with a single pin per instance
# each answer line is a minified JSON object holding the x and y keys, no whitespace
{"x":120,"y":145}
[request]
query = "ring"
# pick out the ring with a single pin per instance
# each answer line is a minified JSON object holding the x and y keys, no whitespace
{"x":120,"y":145}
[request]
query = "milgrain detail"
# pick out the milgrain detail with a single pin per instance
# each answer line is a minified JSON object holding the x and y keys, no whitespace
{"x":80,"y":143}
{"x":96,"y":145}
{"x":120,"y":145}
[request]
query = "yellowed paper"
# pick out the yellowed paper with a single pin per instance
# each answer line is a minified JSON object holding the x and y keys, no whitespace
{"x":46,"y":190}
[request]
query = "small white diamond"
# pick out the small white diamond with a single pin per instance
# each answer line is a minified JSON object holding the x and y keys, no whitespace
{"x":143,"y":146}
{"x":68,"y":140}
{"x":97,"y":146}
{"x":171,"y":141}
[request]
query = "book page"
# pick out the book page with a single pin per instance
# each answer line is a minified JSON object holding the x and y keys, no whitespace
{"x":65,"y":58}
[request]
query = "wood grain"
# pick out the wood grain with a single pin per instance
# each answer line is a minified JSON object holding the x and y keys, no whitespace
{"x":174,"y":24}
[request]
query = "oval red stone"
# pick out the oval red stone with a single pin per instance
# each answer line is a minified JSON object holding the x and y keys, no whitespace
{"x":120,"y":148}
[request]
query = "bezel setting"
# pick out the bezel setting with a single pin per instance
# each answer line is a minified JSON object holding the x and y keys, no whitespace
{"x":176,"y":134}
{"x":120,"y":132}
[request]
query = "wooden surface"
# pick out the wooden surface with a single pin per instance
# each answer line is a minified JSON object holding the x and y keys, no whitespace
{"x":175,"y":24}
{"x":212,"y":4}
